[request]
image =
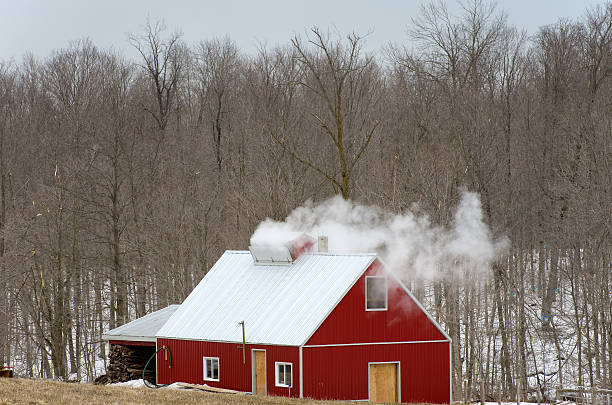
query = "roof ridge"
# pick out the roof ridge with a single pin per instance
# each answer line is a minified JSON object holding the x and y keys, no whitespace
{"x":315,"y":253}
{"x":341,"y":253}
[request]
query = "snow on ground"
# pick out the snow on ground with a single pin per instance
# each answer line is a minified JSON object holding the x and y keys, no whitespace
{"x":140,"y":383}
{"x":175,"y":386}
{"x":100,"y":367}
{"x":510,"y":403}
{"x":131,"y":384}
{"x":514,"y":403}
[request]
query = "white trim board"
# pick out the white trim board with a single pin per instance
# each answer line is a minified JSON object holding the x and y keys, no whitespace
{"x":129,"y":338}
{"x":379,"y":343}
{"x":301,"y":373}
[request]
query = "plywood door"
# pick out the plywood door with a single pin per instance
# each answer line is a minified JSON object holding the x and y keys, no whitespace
{"x":383,"y":382}
{"x":260,"y":373}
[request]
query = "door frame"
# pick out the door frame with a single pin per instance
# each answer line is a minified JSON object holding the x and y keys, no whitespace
{"x":254,"y":370}
{"x":398,"y":382}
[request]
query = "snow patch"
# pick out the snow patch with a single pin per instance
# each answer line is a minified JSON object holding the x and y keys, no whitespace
{"x":175,"y":386}
{"x":510,"y":403}
{"x":131,"y":384}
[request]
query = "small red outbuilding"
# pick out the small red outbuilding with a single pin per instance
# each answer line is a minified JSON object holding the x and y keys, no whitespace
{"x":322,"y":326}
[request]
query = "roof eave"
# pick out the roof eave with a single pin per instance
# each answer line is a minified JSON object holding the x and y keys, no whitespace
{"x":129,"y":338}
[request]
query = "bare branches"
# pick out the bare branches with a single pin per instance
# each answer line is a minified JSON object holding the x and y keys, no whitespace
{"x":363,"y":147}
{"x":217,"y":67}
{"x":598,"y":41}
{"x":297,"y":157}
{"x":161,"y":60}
{"x":334,"y":73}
{"x":453,"y":49}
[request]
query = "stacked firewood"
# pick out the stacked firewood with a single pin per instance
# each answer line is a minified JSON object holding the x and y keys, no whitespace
{"x":127,"y":363}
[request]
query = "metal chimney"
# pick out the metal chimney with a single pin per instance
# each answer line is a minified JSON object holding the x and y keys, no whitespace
{"x":322,"y":243}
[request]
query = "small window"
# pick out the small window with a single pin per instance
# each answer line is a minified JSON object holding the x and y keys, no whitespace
{"x":211,"y":368}
{"x":376,"y":293}
{"x":283,"y":375}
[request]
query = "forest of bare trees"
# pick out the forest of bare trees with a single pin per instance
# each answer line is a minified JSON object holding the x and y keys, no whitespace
{"x":122,"y":181}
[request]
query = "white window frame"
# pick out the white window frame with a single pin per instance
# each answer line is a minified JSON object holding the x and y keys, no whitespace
{"x":386,"y":294}
{"x":277,"y":374}
{"x":206,"y":378}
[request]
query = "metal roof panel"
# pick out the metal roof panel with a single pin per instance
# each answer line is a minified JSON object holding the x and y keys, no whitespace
{"x":142,"y":329}
{"x":280,"y":305}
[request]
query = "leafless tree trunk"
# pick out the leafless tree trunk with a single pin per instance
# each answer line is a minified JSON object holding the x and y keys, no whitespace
{"x":337,"y":76}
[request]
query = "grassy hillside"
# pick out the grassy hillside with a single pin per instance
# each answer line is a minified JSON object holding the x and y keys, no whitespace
{"x":24,"y":391}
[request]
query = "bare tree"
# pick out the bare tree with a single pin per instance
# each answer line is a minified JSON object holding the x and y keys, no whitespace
{"x":161,"y":63}
{"x":217,"y":67}
{"x":343,"y":84}
{"x":8,"y":98}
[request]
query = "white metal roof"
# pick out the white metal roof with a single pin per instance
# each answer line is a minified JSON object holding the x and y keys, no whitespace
{"x":280,"y":305}
{"x":142,"y":329}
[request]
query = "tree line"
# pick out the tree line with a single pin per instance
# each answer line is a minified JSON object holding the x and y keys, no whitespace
{"x":122,"y":181}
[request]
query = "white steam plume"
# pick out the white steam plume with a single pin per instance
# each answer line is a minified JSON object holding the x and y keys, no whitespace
{"x":410,"y":245}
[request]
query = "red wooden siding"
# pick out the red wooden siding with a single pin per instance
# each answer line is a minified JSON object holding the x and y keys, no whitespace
{"x":349,"y":322}
{"x":341,"y":372}
{"x":187,"y":365}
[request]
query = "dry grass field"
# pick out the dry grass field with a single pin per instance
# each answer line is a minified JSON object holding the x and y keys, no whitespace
{"x":34,"y":392}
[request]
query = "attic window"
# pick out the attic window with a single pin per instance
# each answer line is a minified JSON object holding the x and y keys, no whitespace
{"x":376,"y":293}
{"x":211,"y":368}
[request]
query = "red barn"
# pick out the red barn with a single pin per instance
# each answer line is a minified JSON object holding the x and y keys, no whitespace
{"x":323,"y":326}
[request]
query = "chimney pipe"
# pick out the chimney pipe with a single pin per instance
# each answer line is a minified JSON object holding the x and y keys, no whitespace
{"x":322,"y":243}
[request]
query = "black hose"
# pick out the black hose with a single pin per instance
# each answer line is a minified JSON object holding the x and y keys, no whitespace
{"x":155,"y":385}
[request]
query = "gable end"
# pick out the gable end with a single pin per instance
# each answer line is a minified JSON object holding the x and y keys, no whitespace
{"x":403,"y":320}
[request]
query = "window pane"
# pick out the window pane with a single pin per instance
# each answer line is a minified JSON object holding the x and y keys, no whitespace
{"x":287,"y":374}
{"x":215,"y":369}
{"x":283,"y":374}
{"x":376,"y":288}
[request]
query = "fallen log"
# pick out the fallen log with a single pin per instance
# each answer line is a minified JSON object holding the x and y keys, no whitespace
{"x":205,"y":387}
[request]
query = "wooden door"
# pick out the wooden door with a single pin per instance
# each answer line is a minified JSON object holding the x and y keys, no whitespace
{"x":383,"y":382}
{"x":260,"y":372}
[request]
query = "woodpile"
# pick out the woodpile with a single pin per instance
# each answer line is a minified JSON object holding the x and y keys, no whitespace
{"x":127,"y":363}
{"x":6,"y":372}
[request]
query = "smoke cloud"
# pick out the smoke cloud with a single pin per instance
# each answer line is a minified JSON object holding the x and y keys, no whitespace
{"x":408,"y":243}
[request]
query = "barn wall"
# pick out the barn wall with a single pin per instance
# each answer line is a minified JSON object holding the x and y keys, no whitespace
{"x":349,"y":322}
{"x":341,"y":372}
{"x":187,"y":364}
